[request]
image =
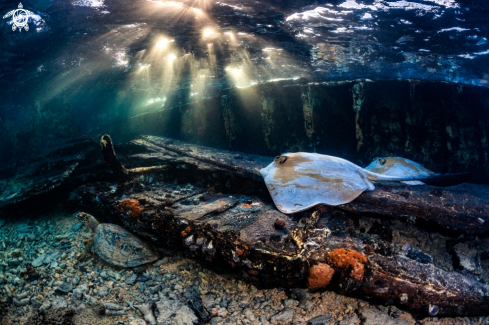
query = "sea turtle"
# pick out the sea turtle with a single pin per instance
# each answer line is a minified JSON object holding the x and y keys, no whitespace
{"x":116,"y":245}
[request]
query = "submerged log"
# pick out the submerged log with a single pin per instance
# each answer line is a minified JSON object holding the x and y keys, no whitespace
{"x":246,"y":233}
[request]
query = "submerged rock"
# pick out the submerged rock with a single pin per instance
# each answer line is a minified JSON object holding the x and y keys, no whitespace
{"x":174,"y":312}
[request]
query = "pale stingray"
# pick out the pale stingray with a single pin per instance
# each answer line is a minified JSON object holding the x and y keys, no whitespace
{"x":399,"y":167}
{"x":298,"y":181}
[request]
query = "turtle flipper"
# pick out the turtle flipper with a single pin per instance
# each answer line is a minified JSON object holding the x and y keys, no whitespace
{"x":86,"y":251}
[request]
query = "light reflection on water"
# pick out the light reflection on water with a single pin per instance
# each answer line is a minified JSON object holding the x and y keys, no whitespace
{"x":128,"y":54}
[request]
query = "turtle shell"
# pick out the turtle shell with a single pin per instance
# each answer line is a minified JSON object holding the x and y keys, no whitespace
{"x":118,"y":246}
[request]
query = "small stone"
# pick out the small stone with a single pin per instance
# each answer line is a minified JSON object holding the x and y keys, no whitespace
{"x":22,"y":302}
{"x":38,"y":261}
{"x":215,"y":320}
{"x":249,"y":314}
{"x":59,"y":303}
{"x":289,"y":302}
{"x":78,"y":294}
{"x":219,"y":312}
{"x":99,"y":308}
{"x":75,"y":280}
{"x":284,"y":317}
{"x":35,"y":303}
{"x":308,"y":306}
{"x":64,"y":289}
{"x":46,"y":305}
{"x":351,"y":320}
{"x":137,"y":322}
{"x":132,"y":279}
{"x":320,"y":320}
{"x":77,"y":226}
{"x":158,"y":263}
{"x":111,"y":306}
{"x":374,"y":316}
{"x":174,"y":312}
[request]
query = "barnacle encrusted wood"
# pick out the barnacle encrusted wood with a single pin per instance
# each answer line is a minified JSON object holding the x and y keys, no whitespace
{"x":237,"y":232}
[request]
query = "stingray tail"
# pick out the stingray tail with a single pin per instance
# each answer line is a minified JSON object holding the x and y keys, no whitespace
{"x":433,"y":180}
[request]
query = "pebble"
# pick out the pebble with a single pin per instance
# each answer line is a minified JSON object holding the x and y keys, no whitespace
{"x":45,"y":306}
{"x":138,"y":322}
{"x":290,"y":302}
{"x":284,"y":317}
{"x":22,"y":302}
{"x":59,"y":303}
{"x":35,"y":303}
{"x":249,"y":314}
{"x":64,"y":289}
{"x":98,"y":307}
{"x":38,"y":261}
{"x":215,"y":320}
{"x":174,"y":312}
{"x":111,"y":306}
{"x":75,"y":280}
{"x":321,"y":320}
{"x":132,"y":280}
{"x":158,"y":263}
{"x":77,"y":226}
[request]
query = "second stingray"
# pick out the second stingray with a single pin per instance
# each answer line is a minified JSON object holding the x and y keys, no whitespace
{"x":298,"y":181}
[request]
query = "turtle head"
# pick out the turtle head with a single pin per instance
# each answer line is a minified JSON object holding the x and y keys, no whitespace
{"x":88,"y":220}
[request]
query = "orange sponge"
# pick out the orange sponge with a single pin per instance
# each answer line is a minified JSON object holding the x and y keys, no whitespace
{"x":319,"y":276}
{"x":345,"y":258}
{"x":131,"y":206}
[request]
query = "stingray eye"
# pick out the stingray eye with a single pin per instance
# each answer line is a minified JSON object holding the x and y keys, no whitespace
{"x":277,"y":158}
{"x":382,"y":161}
{"x":282,"y":159}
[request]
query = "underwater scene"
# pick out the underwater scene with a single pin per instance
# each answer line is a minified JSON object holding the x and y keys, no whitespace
{"x":184,"y":162}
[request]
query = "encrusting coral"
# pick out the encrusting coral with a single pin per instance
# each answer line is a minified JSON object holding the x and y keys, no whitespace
{"x":319,"y":276}
{"x":132,"y":206}
{"x":345,"y":258}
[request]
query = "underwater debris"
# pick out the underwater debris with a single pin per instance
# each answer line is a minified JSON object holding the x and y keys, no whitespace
{"x":122,"y":173}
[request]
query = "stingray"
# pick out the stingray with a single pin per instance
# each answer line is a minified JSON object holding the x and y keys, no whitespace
{"x":298,"y":181}
{"x":399,"y":167}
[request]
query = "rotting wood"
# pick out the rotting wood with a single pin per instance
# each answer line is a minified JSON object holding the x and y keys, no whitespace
{"x":242,"y":237}
{"x":122,"y":173}
{"x":239,"y":232}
